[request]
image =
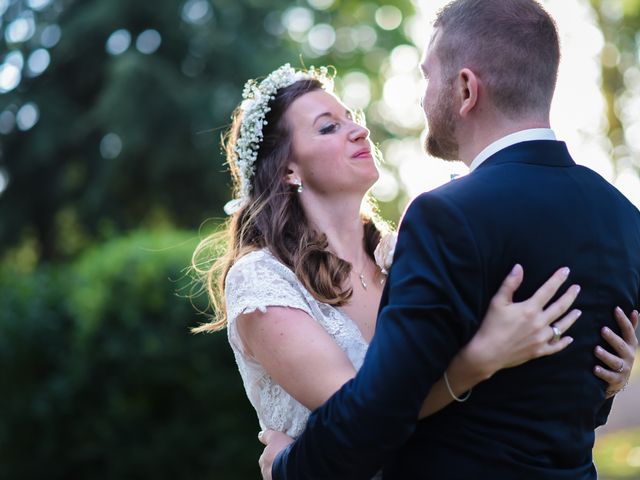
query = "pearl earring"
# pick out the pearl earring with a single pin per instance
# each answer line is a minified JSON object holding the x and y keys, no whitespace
{"x":298,"y":183}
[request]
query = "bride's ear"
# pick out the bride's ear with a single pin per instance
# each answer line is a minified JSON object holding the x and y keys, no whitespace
{"x":291,"y":177}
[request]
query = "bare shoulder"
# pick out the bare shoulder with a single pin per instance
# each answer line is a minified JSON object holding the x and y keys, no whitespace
{"x":277,"y":326}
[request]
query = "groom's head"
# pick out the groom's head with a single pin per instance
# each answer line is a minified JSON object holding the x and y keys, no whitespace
{"x":512,"y":49}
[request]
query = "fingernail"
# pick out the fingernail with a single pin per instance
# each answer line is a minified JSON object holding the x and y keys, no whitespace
{"x":577,"y":287}
{"x":606,"y":330}
{"x":260,"y":433}
{"x":569,"y":340}
{"x":618,"y":310}
{"x":578,"y":313}
{"x":598,"y":349}
{"x":566,"y":271}
{"x":597,"y":369}
{"x":515,"y":268}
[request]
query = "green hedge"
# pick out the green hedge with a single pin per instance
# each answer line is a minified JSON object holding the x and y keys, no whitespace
{"x":100,"y":377}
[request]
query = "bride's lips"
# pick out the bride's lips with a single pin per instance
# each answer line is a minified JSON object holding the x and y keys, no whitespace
{"x":364,"y":153}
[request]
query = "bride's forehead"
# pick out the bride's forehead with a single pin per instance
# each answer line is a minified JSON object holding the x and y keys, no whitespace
{"x":310,"y":102}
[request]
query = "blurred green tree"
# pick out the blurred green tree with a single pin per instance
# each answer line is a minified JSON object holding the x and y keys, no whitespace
{"x":620,"y":62}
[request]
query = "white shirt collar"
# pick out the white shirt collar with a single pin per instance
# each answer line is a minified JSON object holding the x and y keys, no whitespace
{"x":512,"y":139}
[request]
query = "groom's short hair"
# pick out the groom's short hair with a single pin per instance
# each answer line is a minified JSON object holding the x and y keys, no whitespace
{"x":512,"y":45}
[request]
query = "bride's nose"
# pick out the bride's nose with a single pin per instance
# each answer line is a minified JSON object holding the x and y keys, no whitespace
{"x":358,"y":132}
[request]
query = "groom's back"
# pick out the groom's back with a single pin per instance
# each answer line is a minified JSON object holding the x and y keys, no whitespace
{"x":531,"y":205}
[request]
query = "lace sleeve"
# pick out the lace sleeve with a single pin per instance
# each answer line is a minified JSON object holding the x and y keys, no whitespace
{"x":258,"y":281}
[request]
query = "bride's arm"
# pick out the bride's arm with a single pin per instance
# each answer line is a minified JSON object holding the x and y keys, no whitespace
{"x":297,"y":352}
{"x":304,"y":360}
{"x":513,"y":333}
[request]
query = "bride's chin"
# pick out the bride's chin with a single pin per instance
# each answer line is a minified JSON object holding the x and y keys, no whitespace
{"x":374,"y":178}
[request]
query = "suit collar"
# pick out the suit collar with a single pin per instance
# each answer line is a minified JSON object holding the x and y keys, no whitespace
{"x":511,"y":139}
{"x":536,"y":152}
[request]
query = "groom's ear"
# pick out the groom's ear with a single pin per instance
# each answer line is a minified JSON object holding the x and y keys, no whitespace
{"x":467,"y":90}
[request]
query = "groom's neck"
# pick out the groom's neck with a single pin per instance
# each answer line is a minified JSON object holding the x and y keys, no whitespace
{"x":476,"y":136}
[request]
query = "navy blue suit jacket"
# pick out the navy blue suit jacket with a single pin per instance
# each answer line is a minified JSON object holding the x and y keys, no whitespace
{"x":528,"y":204}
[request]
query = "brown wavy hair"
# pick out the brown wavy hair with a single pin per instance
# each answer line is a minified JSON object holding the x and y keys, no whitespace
{"x":273,"y":218}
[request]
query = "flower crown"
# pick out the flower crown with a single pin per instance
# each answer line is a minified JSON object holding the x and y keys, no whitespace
{"x":255,"y":106}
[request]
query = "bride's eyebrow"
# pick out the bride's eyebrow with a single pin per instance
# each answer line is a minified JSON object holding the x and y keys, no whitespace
{"x":347,"y":112}
{"x":324,"y":114}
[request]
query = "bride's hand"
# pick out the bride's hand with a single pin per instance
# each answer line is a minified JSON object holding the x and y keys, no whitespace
{"x":275,"y":442}
{"x":514,"y":333}
{"x":625,"y":347}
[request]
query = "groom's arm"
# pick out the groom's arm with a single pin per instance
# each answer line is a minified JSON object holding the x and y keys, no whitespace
{"x":430,"y":307}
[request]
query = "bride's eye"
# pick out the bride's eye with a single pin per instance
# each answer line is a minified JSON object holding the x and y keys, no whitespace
{"x":330,"y":128}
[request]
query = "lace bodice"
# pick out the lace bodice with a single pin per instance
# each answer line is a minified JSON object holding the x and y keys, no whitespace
{"x":256,"y":282}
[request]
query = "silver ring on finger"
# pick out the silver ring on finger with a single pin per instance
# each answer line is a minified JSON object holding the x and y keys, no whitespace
{"x":556,"y":334}
{"x":621,"y":368}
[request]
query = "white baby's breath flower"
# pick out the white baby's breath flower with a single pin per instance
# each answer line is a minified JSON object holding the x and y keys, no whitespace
{"x":384,"y":251}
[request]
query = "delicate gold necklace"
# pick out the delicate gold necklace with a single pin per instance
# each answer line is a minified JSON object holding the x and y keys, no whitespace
{"x":361,"y":277}
{"x":363,"y":281}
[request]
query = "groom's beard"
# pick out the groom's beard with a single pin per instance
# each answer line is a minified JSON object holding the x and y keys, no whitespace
{"x":441,"y":140}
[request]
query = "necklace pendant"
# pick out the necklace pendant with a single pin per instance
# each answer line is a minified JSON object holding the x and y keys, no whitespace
{"x":364,"y":284}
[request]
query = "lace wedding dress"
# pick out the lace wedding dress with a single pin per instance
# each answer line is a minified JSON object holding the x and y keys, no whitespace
{"x":258,"y":281}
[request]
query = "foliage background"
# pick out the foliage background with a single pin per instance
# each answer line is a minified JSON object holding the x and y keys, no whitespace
{"x":109,"y":164}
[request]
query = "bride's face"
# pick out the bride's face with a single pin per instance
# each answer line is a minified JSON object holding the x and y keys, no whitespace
{"x":332,"y":153}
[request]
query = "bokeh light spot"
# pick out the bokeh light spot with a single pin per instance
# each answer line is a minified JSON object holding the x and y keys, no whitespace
{"x":321,"y":4}
{"x":297,"y":19}
{"x":401,"y":91}
{"x":356,"y":90}
{"x":9,"y":77}
{"x":118,"y":42}
{"x":110,"y":146}
{"x":38,"y":61}
{"x":610,"y":56}
{"x":148,"y":41}
{"x":632,"y":134}
{"x":388,"y":17}
{"x":405,"y":58}
{"x":21,"y":29}
{"x":38,"y":4}
{"x":386,"y":189}
{"x":50,"y":36}
{"x":15,"y":58}
{"x":613,"y":10}
{"x":27,"y":116}
{"x":7,"y":122}
{"x":366,"y":37}
{"x":322,"y":37}
{"x":197,"y":12}
{"x":346,"y":40}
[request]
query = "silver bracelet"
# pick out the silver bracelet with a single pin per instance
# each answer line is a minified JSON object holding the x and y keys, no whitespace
{"x":457,"y":399}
